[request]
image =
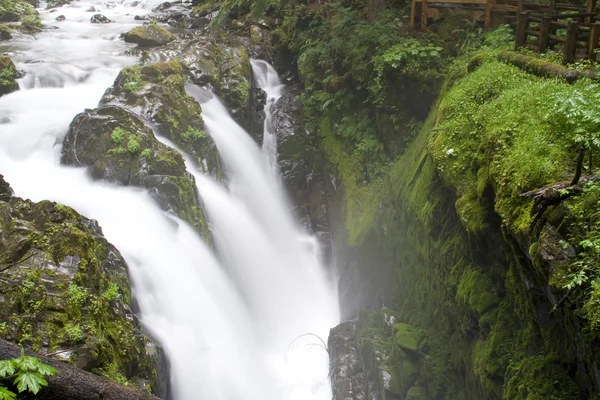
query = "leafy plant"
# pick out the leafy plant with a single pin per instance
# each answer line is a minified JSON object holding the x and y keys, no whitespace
{"x":27,"y":374}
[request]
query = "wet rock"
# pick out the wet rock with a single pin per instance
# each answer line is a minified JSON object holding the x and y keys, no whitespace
{"x":99,"y":19}
{"x":162,"y":7}
{"x":134,"y":4}
{"x":149,"y":35}
{"x":66,"y":292}
{"x":5,"y":33}
{"x":142,"y":18}
{"x":259,"y":35}
{"x":57,"y":3}
{"x":117,"y":146}
{"x":61,"y":18}
{"x":347,"y":378}
{"x":9,"y":16}
{"x":225,"y":69}
{"x":91,"y":9}
{"x":8,"y":76}
{"x":19,"y":10}
{"x":5,"y":189}
{"x":158,"y":94}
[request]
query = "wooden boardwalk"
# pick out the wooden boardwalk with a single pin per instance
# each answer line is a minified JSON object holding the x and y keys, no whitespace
{"x":537,"y":26}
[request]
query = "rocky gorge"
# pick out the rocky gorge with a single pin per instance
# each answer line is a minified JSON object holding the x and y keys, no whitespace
{"x":403,"y":158}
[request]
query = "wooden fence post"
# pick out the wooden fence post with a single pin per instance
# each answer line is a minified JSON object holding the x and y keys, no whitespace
{"x":488,"y":13}
{"x":413,"y":10}
{"x":570,"y":47}
{"x":520,"y":34}
{"x":544,"y":33}
{"x":424,"y":12}
{"x":593,"y":41}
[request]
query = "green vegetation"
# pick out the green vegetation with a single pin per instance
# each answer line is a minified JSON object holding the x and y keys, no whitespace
{"x":28,"y":373}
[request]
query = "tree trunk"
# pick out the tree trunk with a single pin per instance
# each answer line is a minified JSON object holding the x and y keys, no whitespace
{"x":72,"y":383}
{"x":543,"y":68}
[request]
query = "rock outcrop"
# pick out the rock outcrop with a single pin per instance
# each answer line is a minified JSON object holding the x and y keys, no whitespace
{"x":8,"y":76}
{"x":65,"y":293}
{"x":149,"y":35}
{"x":119,"y":145}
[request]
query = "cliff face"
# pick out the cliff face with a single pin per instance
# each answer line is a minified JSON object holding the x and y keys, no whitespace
{"x":66,"y":292}
{"x":495,"y":298}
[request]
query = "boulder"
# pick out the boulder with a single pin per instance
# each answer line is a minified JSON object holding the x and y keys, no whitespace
{"x":66,"y":293}
{"x":118,"y":147}
{"x":18,"y":10}
{"x":158,"y":94}
{"x":61,"y":18}
{"x":99,"y":19}
{"x":149,"y":35}
{"x":5,"y":33}
{"x":8,"y":76}
{"x":226,"y":69}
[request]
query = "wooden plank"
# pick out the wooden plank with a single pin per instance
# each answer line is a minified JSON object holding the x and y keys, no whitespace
{"x":544,"y":34}
{"x":413,"y":10}
{"x":520,"y":34}
{"x":557,"y":38}
{"x":480,"y":2}
{"x":504,"y":7}
{"x":488,"y":13}
{"x":593,"y":41}
{"x":570,"y":47}
{"x":424,"y":16}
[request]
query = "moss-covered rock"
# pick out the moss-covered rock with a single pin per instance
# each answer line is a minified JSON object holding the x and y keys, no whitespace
{"x":149,"y":35}
{"x":157,"y":93}
{"x":65,"y":291}
{"x":226,"y":69}
{"x":15,"y":10}
{"x":5,"y":32}
{"x":8,"y":76}
{"x":117,"y":146}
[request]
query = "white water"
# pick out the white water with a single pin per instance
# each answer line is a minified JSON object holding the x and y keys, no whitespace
{"x":267,"y":79}
{"x":226,"y":322}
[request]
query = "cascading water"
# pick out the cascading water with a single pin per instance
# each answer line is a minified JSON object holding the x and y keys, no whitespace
{"x":228,"y":323}
{"x":267,"y":79}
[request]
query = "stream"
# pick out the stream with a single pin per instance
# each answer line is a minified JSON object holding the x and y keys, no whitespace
{"x":232,"y":318}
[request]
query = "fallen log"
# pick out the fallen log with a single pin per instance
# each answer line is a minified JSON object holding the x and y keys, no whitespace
{"x":543,"y":68}
{"x":554,"y":194}
{"x":72,"y":383}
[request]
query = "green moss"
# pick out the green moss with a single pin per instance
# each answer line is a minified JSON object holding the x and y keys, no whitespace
{"x":407,"y":337}
{"x":477,"y":290}
{"x":540,"y":378}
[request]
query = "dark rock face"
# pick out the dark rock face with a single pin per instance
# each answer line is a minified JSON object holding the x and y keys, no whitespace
{"x":375,"y":358}
{"x":158,"y":94}
{"x":347,"y":379}
{"x":5,"y":189}
{"x":99,"y":19}
{"x":65,"y":291}
{"x":149,"y":35}
{"x":61,"y":18}
{"x":8,"y":76}
{"x":117,"y":146}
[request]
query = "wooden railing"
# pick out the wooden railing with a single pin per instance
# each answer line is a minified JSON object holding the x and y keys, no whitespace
{"x":582,"y":33}
{"x":423,"y":10}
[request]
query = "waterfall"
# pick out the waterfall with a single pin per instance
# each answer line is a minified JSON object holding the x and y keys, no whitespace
{"x":267,"y":79}
{"x":227,"y":321}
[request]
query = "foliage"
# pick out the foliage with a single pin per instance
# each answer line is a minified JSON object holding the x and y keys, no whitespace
{"x":28,"y":373}
{"x":133,"y":78}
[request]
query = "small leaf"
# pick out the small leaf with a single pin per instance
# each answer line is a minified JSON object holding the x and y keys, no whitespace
{"x":7,"y":368}
{"x":6,"y":394}
{"x":46,"y":369}
{"x":27,"y":363}
{"x":30,"y":381}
